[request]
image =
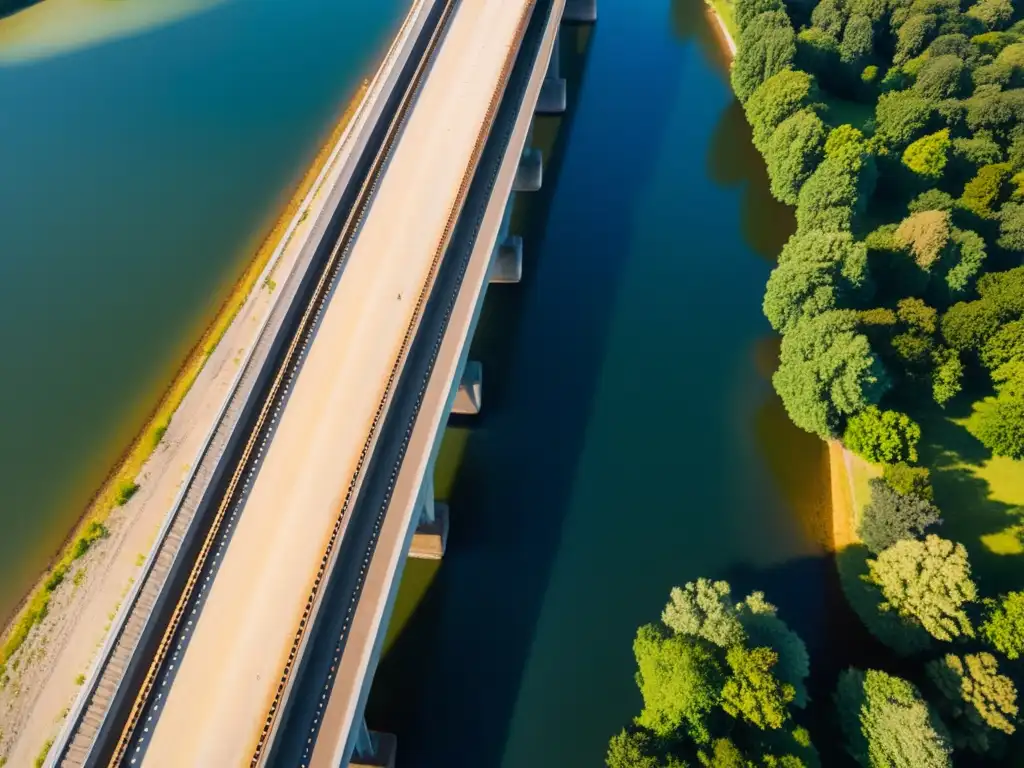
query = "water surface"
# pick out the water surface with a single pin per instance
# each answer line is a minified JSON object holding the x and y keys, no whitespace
{"x":630,"y":439}
{"x":141,"y":165}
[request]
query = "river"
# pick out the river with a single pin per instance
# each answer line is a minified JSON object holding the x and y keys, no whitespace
{"x":145,"y":147}
{"x":630,"y":439}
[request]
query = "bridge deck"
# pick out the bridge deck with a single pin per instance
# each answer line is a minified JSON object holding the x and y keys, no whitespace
{"x":222,"y":684}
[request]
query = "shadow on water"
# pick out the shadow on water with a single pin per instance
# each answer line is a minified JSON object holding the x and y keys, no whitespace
{"x":451,"y":679}
{"x":11,"y":7}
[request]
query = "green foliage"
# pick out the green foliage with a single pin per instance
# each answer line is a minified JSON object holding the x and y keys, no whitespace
{"x":942,"y":77}
{"x":909,"y":481}
{"x":972,"y":153}
{"x":926,"y":581}
{"x":887,"y":723}
{"x":966,"y":257}
{"x":632,"y":749}
{"x":1003,"y":626}
{"x":882,"y":436}
{"x":766,"y":630}
{"x":817,"y":270}
{"x":932,"y":200}
{"x":917,"y":315}
{"x":125,"y":491}
{"x":901,"y":116}
{"x":967,"y":324}
{"x":890,"y":517}
{"x":767,"y":46}
{"x":858,"y":44}
{"x":928,"y":155}
{"x":680,"y":681}
{"x":1004,"y":346}
{"x":994,"y":14}
{"x":982,"y":193}
{"x":776,"y":99}
{"x":704,"y":609}
{"x":793,"y":152}
{"x":827,"y":371}
{"x":830,"y":16}
{"x":947,"y":376}
{"x":1011,"y":227}
{"x":746,"y":11}
{"x":913,"y":36}
{"x":752,"y":692}
{"x":723,"y":754}
{"x":976,"y":696}
{"x":999,"y":425}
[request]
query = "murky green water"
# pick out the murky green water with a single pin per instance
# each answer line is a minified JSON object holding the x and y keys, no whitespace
{"x":143,"y":155}
{"x":630,"y":439}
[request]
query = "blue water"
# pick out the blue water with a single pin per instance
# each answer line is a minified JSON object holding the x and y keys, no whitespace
{"x":139,"y":174}
{"x":630,"y":439}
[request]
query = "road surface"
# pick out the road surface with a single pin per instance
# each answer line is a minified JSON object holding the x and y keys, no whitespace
{"x":216,"y":702}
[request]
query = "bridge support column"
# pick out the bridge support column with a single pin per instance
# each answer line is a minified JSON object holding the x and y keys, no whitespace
{"x":530,"y":172}
{"x":552,"y":98}
{"x":469,"y":398}
{"x":507,"y":261}
{"x":580,"y":11}
{"x":431,"y":536}
{"x":373,"y":750}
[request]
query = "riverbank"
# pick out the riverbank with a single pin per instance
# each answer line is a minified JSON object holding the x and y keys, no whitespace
{"x":48,"y":645}
{"x":725,"y":23}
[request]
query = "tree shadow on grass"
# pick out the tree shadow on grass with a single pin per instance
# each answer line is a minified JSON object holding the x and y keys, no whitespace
{"x":970,"y":513}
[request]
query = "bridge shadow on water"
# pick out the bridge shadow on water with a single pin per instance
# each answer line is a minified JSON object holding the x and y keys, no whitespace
{"x":449,"y":682}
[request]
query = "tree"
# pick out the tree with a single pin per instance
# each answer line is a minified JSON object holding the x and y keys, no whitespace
{"x":979,"y":699}
{"x":994,"y":14}
{"x":927,"y":156}
{"x":916,"y":315}
{"x":766,"y":630}
{"x":747,"y":10}
{"x":900,"y":117}
{"x":777,"y":98}
{"x":680,"y":681}
{"x":704,"y":609}
{"x":913,"y":37}
{"x":830,"y":16}
{"x":632,"y":749}
{"x":988,"y":109}
{"x":816,"y":271}
{"x":830,"y":198}
{"x":793,"y":152}
{"x":947,"y":376}
{"x":882,"y":436}
{"x":972,"y":153}
{"x":1004,"y":291}
{"x":1011,"y":227}
{"x":1004,"y":346}
{"x":981,"y":195}
{"x":909,"y":481}
{"x":932,"y":200}
{"x":827,"y":371}
{"x":858,"y":45}
{"x":998,"y":423}
{"x":967,"y":256}
{"x":941,"y":77}
{"x":723,"y":754}
{"x":887,"y":723}
{"x":1003,"y":626}
{"x":967,"y":324}
{"x":767,"y":46}
{"x":928,"y":581}
{"x":752,"y":692}
{"x":890,"y":517}
{"x":926,"y":234}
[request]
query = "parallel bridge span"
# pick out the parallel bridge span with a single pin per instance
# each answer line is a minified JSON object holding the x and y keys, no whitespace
{"x":263,"y":649}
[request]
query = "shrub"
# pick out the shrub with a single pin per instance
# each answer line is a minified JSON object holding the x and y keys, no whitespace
{"x":908,"y":481}
{"x":882,"y":436}
{"x":125,"y":491}
{"x":890,"y":517}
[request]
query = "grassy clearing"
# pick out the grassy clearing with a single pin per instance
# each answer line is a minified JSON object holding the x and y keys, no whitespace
{"x":726,"y":11}
{"x":121,"y":484}
{"x":843,"y":112}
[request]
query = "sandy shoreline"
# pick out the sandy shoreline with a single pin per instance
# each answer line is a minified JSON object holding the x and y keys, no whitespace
{"x":42,"y":676}
{"x":728,"y":44}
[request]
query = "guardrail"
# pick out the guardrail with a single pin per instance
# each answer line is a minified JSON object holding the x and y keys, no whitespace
{"x":88,"y":716}
{"x":320,"y":666}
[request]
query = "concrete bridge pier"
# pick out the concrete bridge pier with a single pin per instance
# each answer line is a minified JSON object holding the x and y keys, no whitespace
{"x":431,"y":536}
{"x":373,"y":750}
{"x":552,"y":97}
{"x":507,"y":262}
{"x":530,"y":173}
{"x":580,"y":11}
{"x":469,"y":397}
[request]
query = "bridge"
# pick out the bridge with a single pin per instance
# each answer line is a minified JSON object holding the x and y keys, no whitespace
{"x":255,"y":629}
